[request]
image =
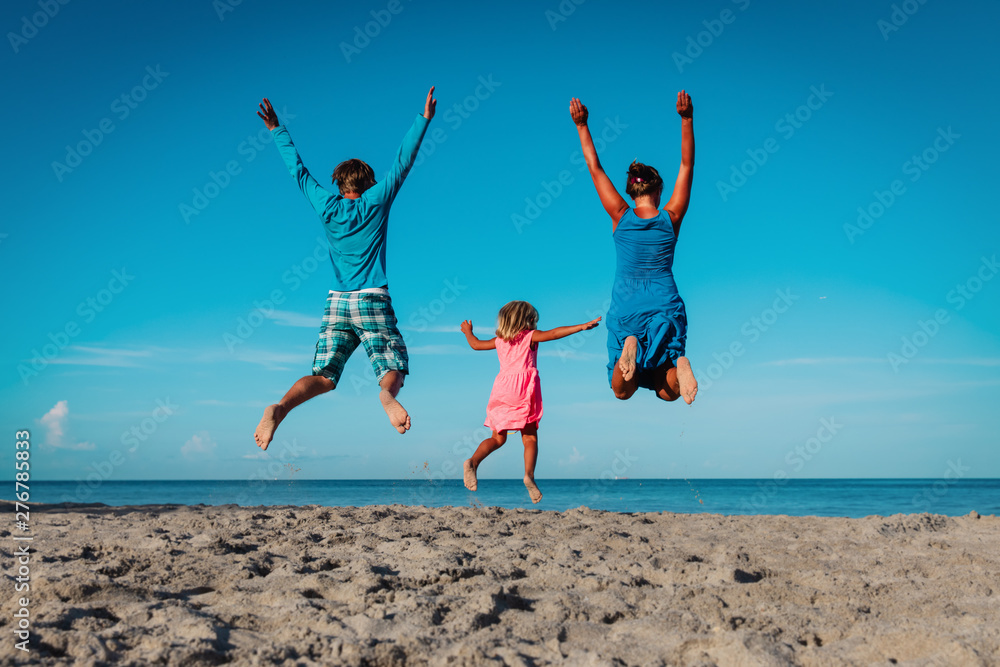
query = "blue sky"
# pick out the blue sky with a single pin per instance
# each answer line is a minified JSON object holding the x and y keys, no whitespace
{"x":137,"y":302}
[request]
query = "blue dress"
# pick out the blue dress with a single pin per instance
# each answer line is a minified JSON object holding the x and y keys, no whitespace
{"x":644,"y":299}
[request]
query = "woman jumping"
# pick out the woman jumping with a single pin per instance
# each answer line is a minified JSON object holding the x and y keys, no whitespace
{"x":647,"y":323}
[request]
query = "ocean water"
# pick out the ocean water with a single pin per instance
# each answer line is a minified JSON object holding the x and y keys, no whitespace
{"x":805,"y":497}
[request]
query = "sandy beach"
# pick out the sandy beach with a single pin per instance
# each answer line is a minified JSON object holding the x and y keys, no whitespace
{"x":395,"y":585}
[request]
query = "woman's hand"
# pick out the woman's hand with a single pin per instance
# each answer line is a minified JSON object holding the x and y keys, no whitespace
{"x":591,"y":324}
{"x":578,"y":111}
{"x":684,"y":105}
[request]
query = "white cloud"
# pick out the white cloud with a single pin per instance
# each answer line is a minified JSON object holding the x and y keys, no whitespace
{"x":812,"y":361}
{"x":80,"y":355}
{"x":287,"y":318}
{"x":435,"y":349}
{"x":274,"y":360}
{"x":257,"y":455}
{"x":574,"y":458}
{"x":199,"y":446}
{"x":574,"y":355}
{"x":436,"y":328}
{"x":54,"y":423}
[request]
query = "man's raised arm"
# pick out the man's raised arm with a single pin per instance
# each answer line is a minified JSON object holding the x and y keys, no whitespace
{"x":314,"y":192}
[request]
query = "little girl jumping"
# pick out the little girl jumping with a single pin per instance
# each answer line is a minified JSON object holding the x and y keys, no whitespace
{"x":516,"y":400}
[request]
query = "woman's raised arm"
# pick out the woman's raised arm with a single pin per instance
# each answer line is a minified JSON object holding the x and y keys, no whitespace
{"x":681,"y":197}
{"x":613,"y":202}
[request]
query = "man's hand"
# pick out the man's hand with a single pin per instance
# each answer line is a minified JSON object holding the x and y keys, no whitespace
{"x":467,"y":327}
{"x":684,"y":105}
{"x":578,"y":111}
{"x":430,"y":105}
{"x":591,"y":324}
{"x":267,"y":114}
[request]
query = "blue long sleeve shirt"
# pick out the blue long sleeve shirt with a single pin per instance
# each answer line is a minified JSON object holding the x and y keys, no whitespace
{"x":355,"y":228}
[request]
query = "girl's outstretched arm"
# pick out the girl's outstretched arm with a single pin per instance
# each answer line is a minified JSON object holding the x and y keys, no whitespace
{"x":610,"y":199}
{"x":474,"y":342}
{"x":678,"y":204}
{"x":562,"y":332}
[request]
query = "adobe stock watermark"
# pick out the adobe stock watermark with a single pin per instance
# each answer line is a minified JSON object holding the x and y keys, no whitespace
{"x":256,"y":483}
{"x":621,"y":463}
{"x":450,"y":467}
{"x":786,"y":126}
{"x":696,"y":44}
{"x":217,"y":181}
{"x":420,"y":321}
{"x":915,"y":167}
{"x":31,"y":25}
{"x":570,"y":347}
{"x":752,"y":330}
{"x":455,"y":115}
{"x":795,"y":460}
{"x":364,"y":34}
{"x":223,"y":7}
{"x":101,"y":471}
{"x":927,"y":329}
{"x":121,"y":107}
{"x":923,"y":501}
{"x":898,"y":17}
{"x":562,"y":12}
{"x":88,"y":310}
{"x":424,"y":316}
{"x":294,"y":276}
{"x":549,"y":191}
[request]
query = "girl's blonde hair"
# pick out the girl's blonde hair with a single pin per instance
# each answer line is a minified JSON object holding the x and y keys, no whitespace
{"x":515,"y":317}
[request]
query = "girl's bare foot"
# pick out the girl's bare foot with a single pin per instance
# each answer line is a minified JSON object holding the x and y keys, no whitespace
{"x":685,"y":378}
{"x":273,"y":414}
{"x":533,"y":491}
{"x":471,"y":483}
{"x":398,"y":416}
{"x":627,"y":361}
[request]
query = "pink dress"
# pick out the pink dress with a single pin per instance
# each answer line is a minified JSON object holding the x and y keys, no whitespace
{"x":516,"y":399}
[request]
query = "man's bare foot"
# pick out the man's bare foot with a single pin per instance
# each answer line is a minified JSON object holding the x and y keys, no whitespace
{"x":471,"y":483}
{"x":273,"y":414}
{"x":685,"y":378}
{"x":627,"y":361}
{"x":533,"y":491}
{"x":398,"y":416}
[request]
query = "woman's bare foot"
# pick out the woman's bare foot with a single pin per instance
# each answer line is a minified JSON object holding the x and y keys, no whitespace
{"x":273,"y":414}
{"x":398,"y":416}
{"x":471,"y":483}
{"x":685,"y":378}
{"x":627,"y":361}
{"x":533,"y":491}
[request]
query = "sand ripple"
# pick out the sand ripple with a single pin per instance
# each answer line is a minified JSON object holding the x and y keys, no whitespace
{"x":394,"y":585}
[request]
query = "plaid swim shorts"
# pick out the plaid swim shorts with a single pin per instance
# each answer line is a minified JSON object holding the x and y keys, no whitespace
{"x":365,"y":318}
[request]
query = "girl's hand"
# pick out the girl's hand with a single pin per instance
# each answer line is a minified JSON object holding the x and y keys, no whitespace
{"x":684,"y":105}
{"x":578,"y":111}
{"x":268,"y":116}
{"x":430,"y":105}
{"x":467,"y":327}
{"x":591,"y":324}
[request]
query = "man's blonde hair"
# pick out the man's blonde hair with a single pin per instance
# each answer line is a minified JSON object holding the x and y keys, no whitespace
{"x":515,"y":317}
